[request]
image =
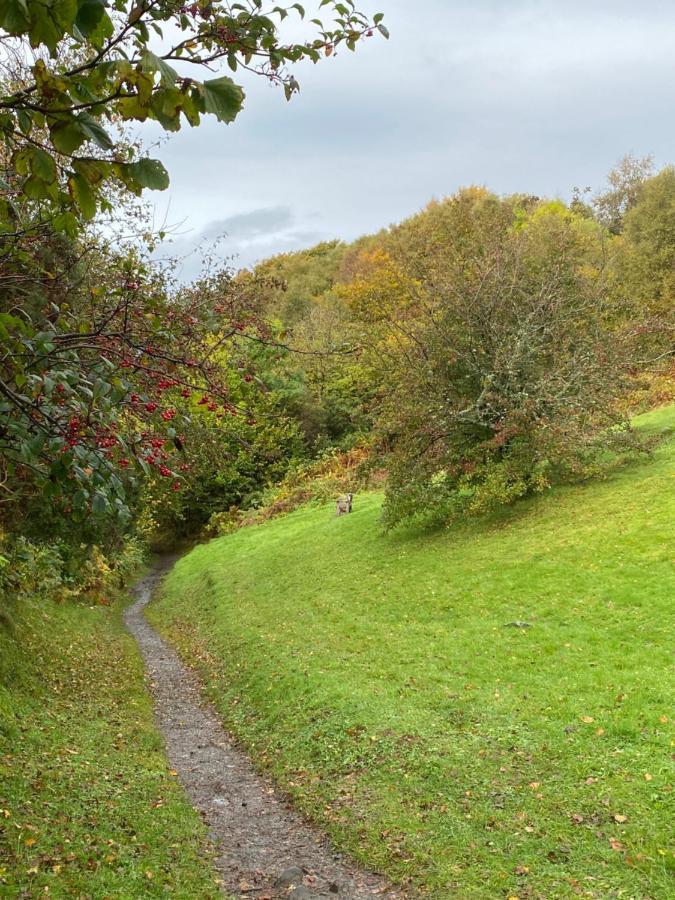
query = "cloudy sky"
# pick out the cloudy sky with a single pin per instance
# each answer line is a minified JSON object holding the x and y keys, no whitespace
{"x":525,"y":95}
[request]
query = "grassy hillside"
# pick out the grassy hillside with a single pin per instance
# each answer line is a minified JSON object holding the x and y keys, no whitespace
{"x":88,"y":807}
{"x":379,"y":678}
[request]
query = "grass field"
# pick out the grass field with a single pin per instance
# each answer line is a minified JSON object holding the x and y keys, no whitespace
{"x":377,"y":676}
{"x":88,"y":806}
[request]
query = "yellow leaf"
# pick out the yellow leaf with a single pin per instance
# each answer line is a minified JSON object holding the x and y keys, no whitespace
{"x":620,"y":819}
{"x":587,"y":719}
{"x":599,"y":731}
{"x":648,"y":777}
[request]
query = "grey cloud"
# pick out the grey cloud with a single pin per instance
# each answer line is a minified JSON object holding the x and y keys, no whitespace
{"x":238,"y":241}
{"x":251,"y":225}
{"x":532,"y":95}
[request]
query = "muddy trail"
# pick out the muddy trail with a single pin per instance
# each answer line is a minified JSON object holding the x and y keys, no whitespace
{"x":265,"y":849}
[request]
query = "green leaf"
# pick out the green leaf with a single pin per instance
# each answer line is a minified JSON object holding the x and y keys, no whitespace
{"x":66,"y":222}
{"x":67,"y":135}
{"x":148,"y":173}
{"x":101,"y":388}
{"x":89,"y":15}
{"x":83,"y":195}
{"x":152,"y":63}
{"x":94,"y":131}
{"x":94,"y":170}
{"x":223,"y":98}
{"x":25,"y":121}
{"x":35,"y":188}
{"x":42,"y":164}
{"x":14,"y":16}
{"x":99,"y":504}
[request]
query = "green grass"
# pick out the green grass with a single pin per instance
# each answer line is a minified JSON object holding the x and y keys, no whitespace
{"x":88,"y":806}
{"x":374,"y":676}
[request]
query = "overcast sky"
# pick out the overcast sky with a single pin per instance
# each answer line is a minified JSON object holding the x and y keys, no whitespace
{"x":525,"y":95}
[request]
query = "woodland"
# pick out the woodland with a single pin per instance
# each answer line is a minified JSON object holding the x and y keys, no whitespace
{"x":461,"y":367}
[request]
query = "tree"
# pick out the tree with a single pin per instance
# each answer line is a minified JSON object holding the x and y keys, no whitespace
{"x":625,"y":184}
{"x":646,"y":270}
{"x":99,"y":62}
{"x":97,"y":349}
{"x":499,"y":373}
{"x":97,"y":356}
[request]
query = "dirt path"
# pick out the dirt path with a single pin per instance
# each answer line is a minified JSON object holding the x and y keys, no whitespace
{"x":265,"y":849}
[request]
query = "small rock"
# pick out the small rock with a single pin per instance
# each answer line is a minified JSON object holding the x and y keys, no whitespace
{"x":291,"y":877}
{"x":302,"y":893}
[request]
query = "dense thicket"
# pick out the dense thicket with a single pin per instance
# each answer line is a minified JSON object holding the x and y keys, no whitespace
{"x":127,"y":405}
{"x":487,"y":346}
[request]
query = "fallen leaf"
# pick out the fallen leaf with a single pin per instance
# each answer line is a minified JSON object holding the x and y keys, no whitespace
{"x":648,"y":777}
{"x":587,"y":719}
{"x":522,"y":870}
{"x":577,"y":819}
{"x":599,"y":731}
{"x":619,"y":818}
{"x":534,"y":785}
{"x":616,"y":845}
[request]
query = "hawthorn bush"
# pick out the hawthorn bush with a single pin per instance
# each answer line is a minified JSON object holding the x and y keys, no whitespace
{"x":106,"y":367}
{"x":499,"y":371}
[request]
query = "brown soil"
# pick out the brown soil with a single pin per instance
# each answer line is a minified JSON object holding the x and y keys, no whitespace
{"x":264,"y":848}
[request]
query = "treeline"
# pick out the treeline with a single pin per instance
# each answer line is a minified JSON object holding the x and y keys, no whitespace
{"x":489,"y":346}
{"x":480,"y":351}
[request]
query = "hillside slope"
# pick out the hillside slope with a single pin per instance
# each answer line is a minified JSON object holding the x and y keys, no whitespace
{"x":383,"y":680}
{"x":88,"y":804}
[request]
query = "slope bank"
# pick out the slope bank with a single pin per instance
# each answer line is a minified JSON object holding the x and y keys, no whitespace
{"x":88,"y":804}
{"x":485,"y":710}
